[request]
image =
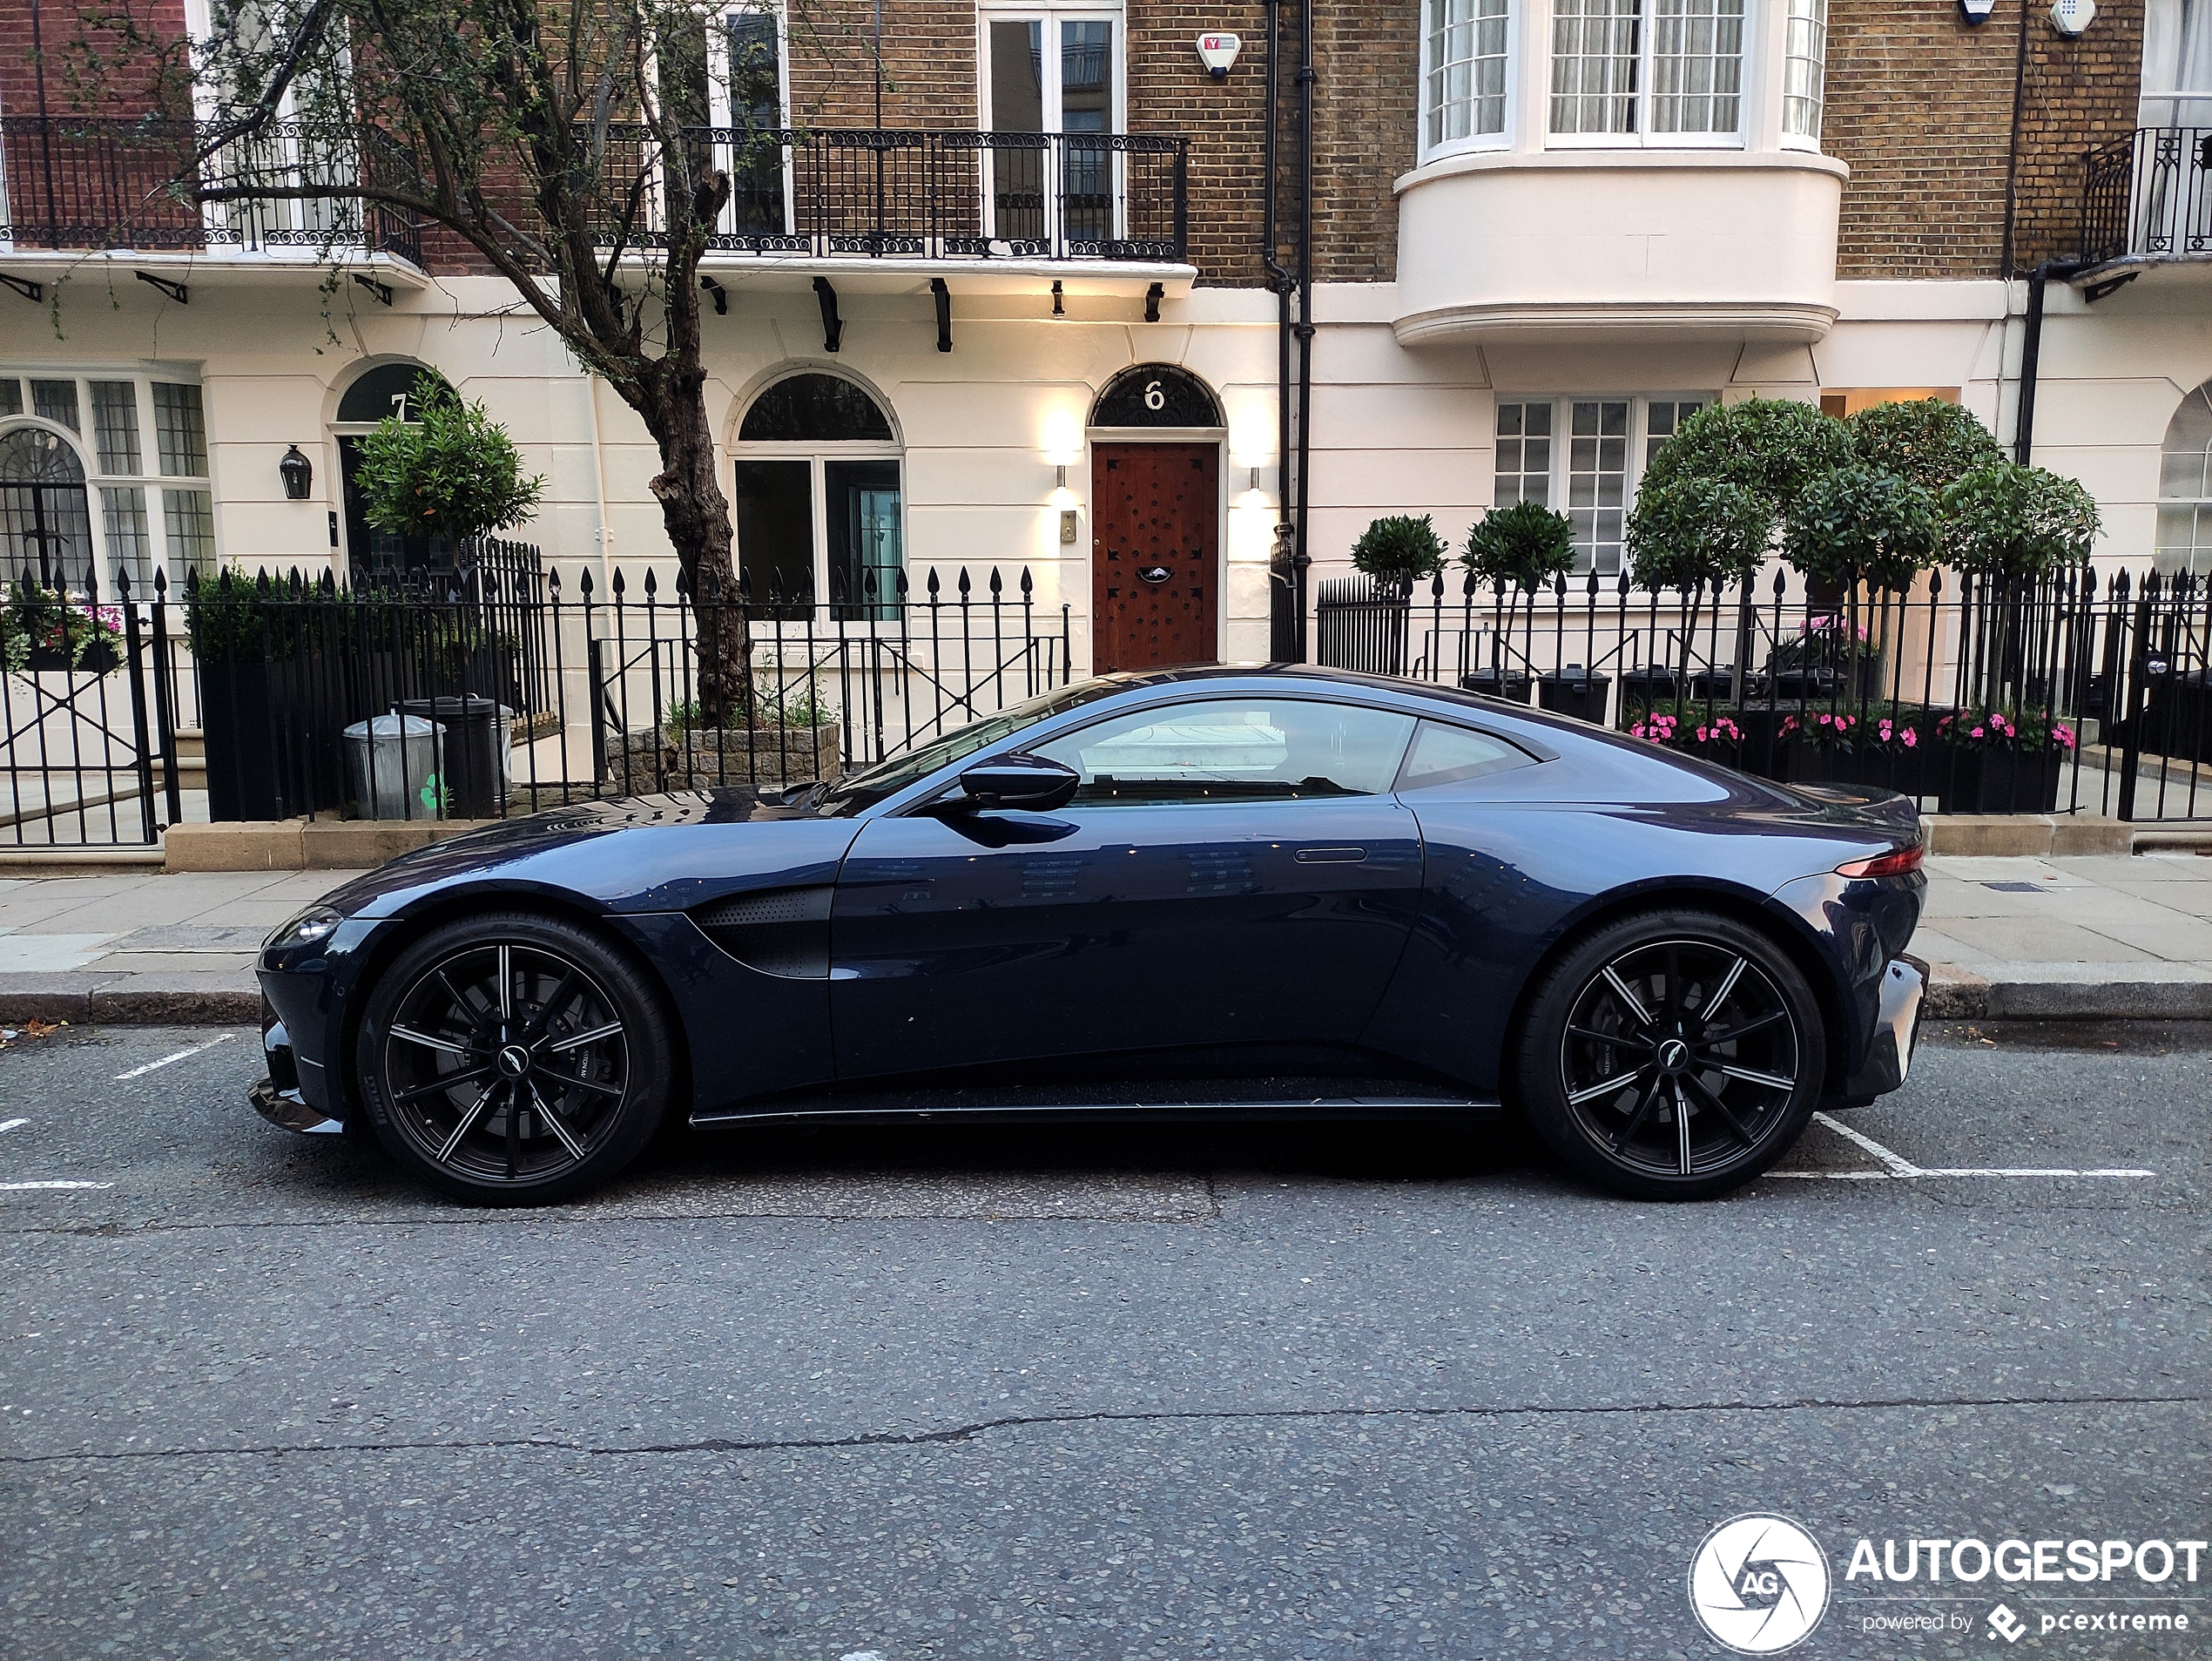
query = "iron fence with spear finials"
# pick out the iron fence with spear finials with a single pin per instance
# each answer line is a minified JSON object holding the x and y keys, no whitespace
{"x":1976,"y":694}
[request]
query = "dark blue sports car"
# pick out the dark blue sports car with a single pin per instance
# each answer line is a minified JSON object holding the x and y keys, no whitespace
{"x":1222,"y":890}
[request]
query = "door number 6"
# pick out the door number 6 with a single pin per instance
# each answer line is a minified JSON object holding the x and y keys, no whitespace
{"x":1154,"y":397}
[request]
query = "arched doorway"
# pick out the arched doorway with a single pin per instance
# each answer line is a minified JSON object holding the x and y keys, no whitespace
{"x":380,"y":393}
{"x":818,"y":499}
{"x":45,"y":515}
{"x":1157,"y":433}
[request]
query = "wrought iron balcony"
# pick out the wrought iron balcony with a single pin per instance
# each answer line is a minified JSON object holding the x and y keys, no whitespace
{"x":103,"y":183}
{"x":2148,"y":197}
{"x":870,"y":192}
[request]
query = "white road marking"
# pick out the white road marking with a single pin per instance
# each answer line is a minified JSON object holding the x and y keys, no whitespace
{"x":25,"y":1187}
{"x":1896,"y":1168}
{"x":179,"y":1055}
{"x":13,"y":1125}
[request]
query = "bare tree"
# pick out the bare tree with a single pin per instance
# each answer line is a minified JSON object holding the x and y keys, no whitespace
{"x":568,"y":147}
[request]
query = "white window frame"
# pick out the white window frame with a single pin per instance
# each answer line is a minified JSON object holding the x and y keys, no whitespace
{"x":816,"y":452}
{"x":1643,"y":137}
{"x":720,"y":113}
{"x":149,"y":481}
{"x":1809,"y":141}
{"x":1050,"y":14}
{"x":1638,"y":437}
{"x":1501,"y":140}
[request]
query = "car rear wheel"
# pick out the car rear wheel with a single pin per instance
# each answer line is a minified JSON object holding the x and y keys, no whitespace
{"x":514,"y":1060}
{"x":1674,"y":1055}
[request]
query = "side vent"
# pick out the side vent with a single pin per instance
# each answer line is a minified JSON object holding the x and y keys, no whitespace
{"x":784,"y":932}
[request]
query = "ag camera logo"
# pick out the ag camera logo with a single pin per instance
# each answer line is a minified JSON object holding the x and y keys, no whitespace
{"x":1759,"y":1583}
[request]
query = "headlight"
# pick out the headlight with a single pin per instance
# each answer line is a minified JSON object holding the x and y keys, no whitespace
{"x":304,"y":928}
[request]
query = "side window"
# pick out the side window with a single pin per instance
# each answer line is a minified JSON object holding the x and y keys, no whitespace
{"x":1236,"y":749}
{"x":1451,"y":755}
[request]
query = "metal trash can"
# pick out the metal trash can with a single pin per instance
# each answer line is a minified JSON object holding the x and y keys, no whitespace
{"x":392,"y":761}
{"x":474,"y":761}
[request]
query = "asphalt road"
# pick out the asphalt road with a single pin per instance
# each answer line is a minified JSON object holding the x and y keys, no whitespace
{"x":961,"y":1392}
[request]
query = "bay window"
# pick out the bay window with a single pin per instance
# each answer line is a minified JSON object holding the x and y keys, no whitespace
{"x":1803,"y":70}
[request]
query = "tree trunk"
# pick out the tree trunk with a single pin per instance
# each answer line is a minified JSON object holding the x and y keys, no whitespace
{"x":697,"y":516}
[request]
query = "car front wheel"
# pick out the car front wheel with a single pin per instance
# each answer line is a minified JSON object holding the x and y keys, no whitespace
{"x":1674,"y":1055}
{"x":513,"y":1059}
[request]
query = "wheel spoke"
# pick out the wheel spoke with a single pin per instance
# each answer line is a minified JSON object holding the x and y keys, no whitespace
{"x":1749,"y":1077}
{"x":576,"y":1040}
{"x":1596,"y":1036}
{"x":428,"y":1042}
{"x":467,"y":1006}
{"x":1636,"y":1119}
{"x":1720,"y":993}
{"x":545,"y":1010}
{"x":1712,"y":1039}
{"x":560,"y":1077}
{"x":449,"y":1081}
{"x":1673,"y":1004}
{"x":553,"y":1123}
{"x":1611,"y":1087}
{"x":1721,"y":1108}
{"x":514,"y":1122}
{"x":506,"y":982}
{"x":1682,"y":1130}
{"x":445,"y":1150}
{"x":1621,"y":989}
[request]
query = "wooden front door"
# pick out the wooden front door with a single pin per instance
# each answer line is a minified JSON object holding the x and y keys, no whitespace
{"x":1155,"y":554}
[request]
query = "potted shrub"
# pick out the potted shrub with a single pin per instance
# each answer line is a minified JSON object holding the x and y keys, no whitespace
{"x":2012,"y":528}
{"x":447,"y":469}
{"x":1925,"y":440}
{"x":257,"y":651}
{"x":1399,"y":551}
{"x":1516,"y":551}
{"x":1715,"y":737}
{"x":786,"y":737}
{"x":1882,"y":745}
{"x":1691,"y":533}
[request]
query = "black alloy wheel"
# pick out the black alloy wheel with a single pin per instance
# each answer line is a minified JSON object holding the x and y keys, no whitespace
{"x":514,"y":1059}
{"x":1673,"y":1056}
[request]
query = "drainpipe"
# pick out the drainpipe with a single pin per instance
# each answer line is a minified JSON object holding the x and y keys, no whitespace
{"x":1301,"y":559}
{"x":2032,"y":354}
{"x":1282,"y":594}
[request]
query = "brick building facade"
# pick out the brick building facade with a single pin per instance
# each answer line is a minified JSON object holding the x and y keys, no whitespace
{"x":1836,"y":227}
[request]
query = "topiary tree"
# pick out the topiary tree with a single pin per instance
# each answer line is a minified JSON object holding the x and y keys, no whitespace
{"x":1924,"y":439}
{"x":1860,"y":523}
{"x":1693,"y":530}
{"x":1772,"y":446}
{"x":2006,"y":521}
{"x":2014,"y":526}
{"x":451,"y":471}
{"x":1526,"y":545}
{"x":1399,"y":549}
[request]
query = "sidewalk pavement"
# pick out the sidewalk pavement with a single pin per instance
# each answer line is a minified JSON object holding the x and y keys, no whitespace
{"x":2103,"y":937}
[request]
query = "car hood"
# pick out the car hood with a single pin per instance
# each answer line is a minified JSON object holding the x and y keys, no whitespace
{"x":660,"y":852}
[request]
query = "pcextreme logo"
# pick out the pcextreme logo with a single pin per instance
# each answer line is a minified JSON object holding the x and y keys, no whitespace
{"x":1759,"y":1583}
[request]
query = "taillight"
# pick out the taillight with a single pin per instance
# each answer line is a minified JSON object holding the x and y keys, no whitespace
{"x":1901,"y":861}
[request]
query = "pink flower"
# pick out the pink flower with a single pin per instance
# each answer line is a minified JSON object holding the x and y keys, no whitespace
{"x":1976,"y":733}
{"x":1911,"y":737}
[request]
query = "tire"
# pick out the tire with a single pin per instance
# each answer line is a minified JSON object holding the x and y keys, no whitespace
{"x":544,"y":1098}
{"x":1671,"y":1006}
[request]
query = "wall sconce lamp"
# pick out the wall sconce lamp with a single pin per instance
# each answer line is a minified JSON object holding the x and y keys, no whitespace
{"x":299,"y":474}
{"x":1977,"y":12}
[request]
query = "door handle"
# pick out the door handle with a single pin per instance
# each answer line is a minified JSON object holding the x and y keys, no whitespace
{"x":1331,"y":855}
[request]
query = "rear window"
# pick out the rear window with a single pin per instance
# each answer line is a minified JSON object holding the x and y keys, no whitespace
{"x":1451,"y":755}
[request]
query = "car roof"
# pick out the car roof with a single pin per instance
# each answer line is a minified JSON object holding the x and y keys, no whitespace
{"x":1319,"y":678}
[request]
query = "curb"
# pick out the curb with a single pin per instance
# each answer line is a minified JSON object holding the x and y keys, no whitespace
{"x":138,"y":1007}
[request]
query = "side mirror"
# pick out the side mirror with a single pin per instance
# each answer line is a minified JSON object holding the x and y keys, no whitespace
{"x":1028,"y":782}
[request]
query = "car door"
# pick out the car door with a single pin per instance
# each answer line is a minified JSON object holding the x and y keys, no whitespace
{"x":1233,"y":869}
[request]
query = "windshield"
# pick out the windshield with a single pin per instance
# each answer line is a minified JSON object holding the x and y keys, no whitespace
{"x":863,"y":790}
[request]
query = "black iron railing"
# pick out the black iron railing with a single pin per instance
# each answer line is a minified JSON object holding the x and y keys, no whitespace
{"x":892,"y":193}
{"x":2149,"y":195}
{"x":85,"y":182}
{"x":2064,"y":694}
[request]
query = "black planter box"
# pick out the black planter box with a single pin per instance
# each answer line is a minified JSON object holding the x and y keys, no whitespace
{"x":100,"y":657}
{"x":262,"y":767}
{"x":2001,"y":782}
